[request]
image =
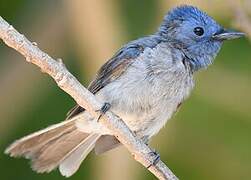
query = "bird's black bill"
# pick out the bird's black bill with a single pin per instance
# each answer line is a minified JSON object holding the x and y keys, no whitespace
{"x":226,"y":34}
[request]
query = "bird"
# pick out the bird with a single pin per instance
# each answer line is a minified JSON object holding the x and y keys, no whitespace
{"x":144,"y":83}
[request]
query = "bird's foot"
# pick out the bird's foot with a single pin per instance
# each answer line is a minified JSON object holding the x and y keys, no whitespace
{"x":156,"y":157}
{"x":106,"y":106}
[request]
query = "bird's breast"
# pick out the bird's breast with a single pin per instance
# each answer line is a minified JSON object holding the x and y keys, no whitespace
{"x":150,"y":91}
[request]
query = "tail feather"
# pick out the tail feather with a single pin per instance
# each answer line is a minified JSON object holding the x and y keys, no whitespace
{"x":27,"y":144}
{"x":106,"y":143}
{"x":56,"y":145}
{"x":50,"y":156}
{"x":71,"y":164}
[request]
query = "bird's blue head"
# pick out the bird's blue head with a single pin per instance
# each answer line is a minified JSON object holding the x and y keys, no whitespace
{"x":196,"y":34}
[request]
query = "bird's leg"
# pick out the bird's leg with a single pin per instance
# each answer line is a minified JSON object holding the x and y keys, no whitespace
{"x":145,"y":139}
{"x":106,"y":106}
{"x":153,"y":153}
{"x":156,"y":159}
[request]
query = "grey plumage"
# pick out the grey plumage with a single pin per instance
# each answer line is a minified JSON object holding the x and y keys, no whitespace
{"x":70,"y":164}
{"x":105,"y":143}
{"x":145,"y":82}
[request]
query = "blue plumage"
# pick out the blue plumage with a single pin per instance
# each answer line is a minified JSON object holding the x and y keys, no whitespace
{"x":179,"y":25}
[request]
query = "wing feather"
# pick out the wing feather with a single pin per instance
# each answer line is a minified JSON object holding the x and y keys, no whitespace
{"x":110,"y":71}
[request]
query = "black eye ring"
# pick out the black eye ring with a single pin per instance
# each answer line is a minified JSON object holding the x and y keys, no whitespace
{"x":199,"y":31}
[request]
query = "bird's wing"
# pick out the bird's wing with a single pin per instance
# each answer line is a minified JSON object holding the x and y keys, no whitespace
{"x":110,"y":71}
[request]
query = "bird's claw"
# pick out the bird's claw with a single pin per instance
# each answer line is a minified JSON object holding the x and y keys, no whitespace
{"x":103,"y":109}
{"x":156,"y":159}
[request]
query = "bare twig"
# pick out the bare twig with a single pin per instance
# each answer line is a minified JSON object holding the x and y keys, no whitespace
{"x":67,"y":82}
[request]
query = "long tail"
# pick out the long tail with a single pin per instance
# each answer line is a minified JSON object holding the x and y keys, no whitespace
{"x":60,"y":145}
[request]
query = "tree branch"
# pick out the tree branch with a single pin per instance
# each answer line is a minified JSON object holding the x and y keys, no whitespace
{"x":67,"y":82}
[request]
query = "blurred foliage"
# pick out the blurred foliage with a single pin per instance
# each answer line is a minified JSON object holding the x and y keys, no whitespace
{"x":11,"y":9}
{"x":209,"y":138}
{"x":138,"y":24}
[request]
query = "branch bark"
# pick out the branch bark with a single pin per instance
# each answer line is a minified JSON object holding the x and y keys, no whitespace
{"x":68,"y":83}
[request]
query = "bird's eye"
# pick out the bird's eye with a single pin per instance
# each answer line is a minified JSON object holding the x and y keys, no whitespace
{"x":199,"y":31}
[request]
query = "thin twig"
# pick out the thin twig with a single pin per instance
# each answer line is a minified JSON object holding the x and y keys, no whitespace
{"x":67,"y":82}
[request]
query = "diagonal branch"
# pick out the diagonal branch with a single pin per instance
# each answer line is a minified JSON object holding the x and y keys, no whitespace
{"x":68,"y":83}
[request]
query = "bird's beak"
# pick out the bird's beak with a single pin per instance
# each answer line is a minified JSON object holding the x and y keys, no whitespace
{"x":227,"y":34}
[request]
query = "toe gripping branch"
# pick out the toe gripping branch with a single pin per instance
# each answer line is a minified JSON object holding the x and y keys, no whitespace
{"x":106,"y":106}
{"x":153,"y":153}
{"x":156,"y":159}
